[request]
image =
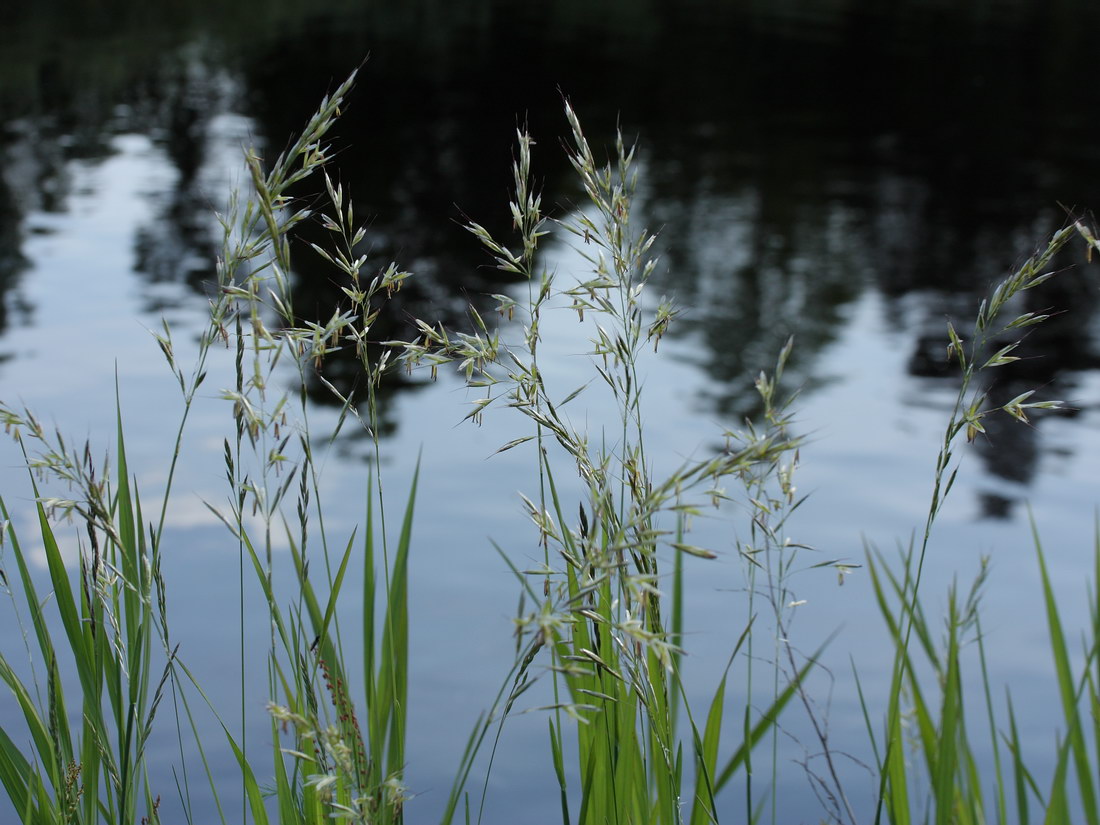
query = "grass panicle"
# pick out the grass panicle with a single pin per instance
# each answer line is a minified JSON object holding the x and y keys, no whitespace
{"x":87,"y":762}
{"x":948,"y":757}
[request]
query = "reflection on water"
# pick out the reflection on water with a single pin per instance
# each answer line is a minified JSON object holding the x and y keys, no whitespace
{"x":797,"y":154}
{"x":803,"y":161}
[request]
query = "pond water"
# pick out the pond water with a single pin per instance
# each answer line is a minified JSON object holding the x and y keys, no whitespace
{"x":849,"y":175}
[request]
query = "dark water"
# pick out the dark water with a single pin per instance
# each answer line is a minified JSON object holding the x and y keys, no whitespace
{"x":950,"y":137}
{"x":851,"y":172}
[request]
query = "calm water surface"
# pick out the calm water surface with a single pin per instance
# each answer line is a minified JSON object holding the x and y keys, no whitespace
{"x":833,"y":171}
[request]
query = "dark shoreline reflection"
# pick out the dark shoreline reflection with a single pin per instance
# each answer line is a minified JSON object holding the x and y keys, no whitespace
{"x":795,"y":155}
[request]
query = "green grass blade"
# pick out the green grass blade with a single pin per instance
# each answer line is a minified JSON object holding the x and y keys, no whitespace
{"x":897,"y":777}
{"x":943,"y":772}
{"x":559,"y":771}
{"x":766,"y":722}
{"x":1086,"y":775}
{"x":334,"y":590}
{"x":703,"y":807}
{"x":75,"y":632}
{"x":285,"y":795}
{"x":995,"y":745}
{"x":16,"y":774}
{"x":1094,"y":674}
{"x":395,"y":637}
{"x":252,"y":789}
{"x":1057,"y":811}
{"x":129,"y":562}
{"x":369,"y":594}
{"x":30,"y":595}
{"x":1022,"y":779}
{"x":44,"y":742}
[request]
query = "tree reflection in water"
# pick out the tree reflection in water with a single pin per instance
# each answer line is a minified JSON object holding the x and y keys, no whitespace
{"x":795,"y":156}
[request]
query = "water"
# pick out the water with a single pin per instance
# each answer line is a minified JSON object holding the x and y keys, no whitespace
{"x":851,"y":176}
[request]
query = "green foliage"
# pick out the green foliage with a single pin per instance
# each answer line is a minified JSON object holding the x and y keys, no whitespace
{"x":625,"y":744}
{"x":88,"y":768}
{"x":601,"y":625}
{"x":949,"y":764}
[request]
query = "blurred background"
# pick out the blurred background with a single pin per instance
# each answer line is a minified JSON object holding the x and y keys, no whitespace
{"x":849,"y":171}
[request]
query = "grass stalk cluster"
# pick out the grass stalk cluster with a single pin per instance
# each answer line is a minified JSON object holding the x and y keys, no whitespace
{"x":600,"y":628}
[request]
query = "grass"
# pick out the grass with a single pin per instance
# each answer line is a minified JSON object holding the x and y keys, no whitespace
{"x":93,"y":766}
{"x":600,"y":628}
